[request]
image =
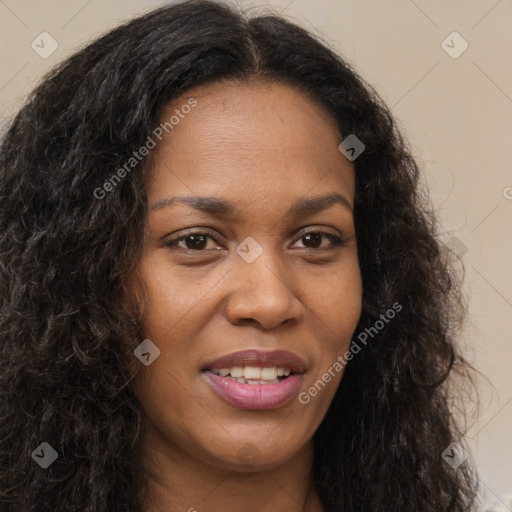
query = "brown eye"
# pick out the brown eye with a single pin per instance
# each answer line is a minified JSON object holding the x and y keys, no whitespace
{"x":193,"y":241}
{"x":313,"y":240}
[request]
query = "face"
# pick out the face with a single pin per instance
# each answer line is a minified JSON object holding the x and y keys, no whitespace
{"x":263,"y":265}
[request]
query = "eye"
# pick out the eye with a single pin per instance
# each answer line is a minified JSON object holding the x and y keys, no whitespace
{"x":194,"y":241}
{"x":197,"y":241}
{"x":313,"y":240}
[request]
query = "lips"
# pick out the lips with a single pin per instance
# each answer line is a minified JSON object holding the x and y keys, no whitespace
{"x":276,"y":358}
{"x":256,"y":394}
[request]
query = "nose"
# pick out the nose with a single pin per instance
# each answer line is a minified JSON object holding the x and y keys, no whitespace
{"x":263,"y":294}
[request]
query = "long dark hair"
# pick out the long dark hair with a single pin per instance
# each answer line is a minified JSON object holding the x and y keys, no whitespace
{"x":66,"y":324}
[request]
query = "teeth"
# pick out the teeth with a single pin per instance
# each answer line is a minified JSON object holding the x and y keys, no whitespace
{"x":262,"y":381}
{"x":269,"y":373}
{"x":236,"y":371}
{"x":254,"y":374}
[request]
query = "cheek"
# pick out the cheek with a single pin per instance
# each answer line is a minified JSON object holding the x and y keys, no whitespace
{"x":338,"y":300}
{"x":172,"y":293}
{"x":337,"y":305}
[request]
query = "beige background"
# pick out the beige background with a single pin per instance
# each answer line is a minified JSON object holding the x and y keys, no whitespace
{"x":456,"y":113}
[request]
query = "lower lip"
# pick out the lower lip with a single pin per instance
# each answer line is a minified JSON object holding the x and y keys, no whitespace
{"x":254,"y":396}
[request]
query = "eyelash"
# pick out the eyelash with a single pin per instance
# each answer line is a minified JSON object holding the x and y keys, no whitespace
{"x":336,"y":240}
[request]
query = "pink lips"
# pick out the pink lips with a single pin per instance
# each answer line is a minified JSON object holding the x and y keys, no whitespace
{"x":256,"y":396}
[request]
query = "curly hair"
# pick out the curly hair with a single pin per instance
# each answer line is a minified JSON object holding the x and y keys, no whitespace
{"x":67,"y":328}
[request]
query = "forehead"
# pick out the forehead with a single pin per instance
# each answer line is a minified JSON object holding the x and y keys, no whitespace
{"x":249,"y":139}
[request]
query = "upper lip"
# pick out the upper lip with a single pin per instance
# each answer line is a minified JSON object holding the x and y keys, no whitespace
{"x":253,"y":357}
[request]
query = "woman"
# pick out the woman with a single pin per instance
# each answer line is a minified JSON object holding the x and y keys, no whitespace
{"x":221,"y":288}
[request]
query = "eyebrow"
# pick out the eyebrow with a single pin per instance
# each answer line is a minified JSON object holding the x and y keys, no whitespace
{"x":220,"y":207}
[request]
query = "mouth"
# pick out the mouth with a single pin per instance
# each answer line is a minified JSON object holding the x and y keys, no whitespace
{"x":254,"y":375}
{"x":256,"y":380}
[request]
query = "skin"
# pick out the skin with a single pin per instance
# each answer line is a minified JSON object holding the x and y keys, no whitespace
{"x":262,"y":146}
